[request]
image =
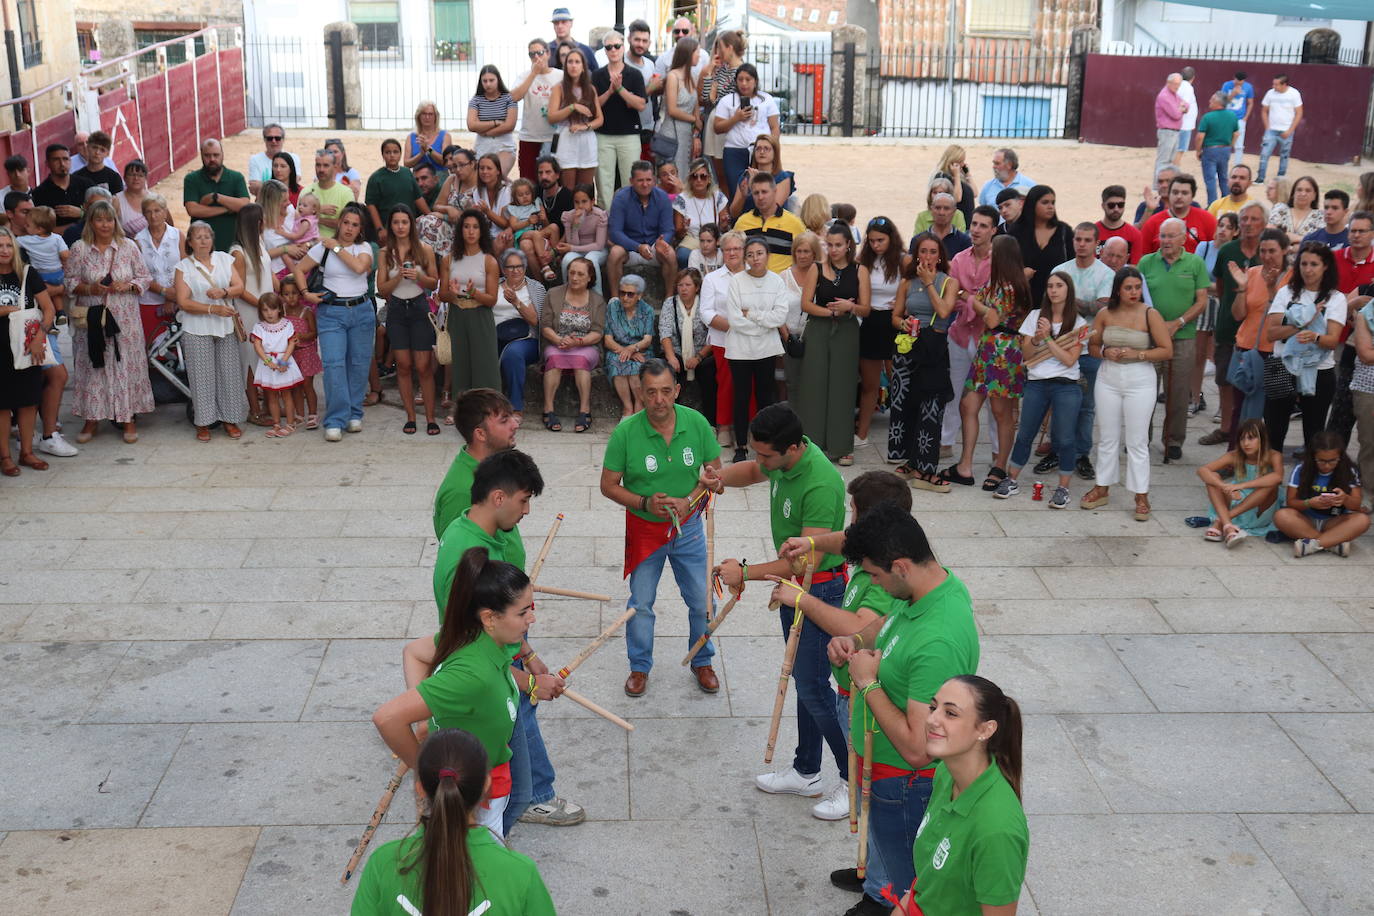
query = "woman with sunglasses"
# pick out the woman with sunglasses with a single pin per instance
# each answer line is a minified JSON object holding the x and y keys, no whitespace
{"x":700,"y":205}
{"x":535,"y":88}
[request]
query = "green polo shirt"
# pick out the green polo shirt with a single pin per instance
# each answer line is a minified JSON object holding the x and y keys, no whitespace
{"x":462,"y":534}
{"x":1230,"y":253}
{"x":811,"y":495}
{"x":970,"y":851}
{"x":337,"y":196}
{"x":922,"y":646}
{"x":231,"y":184}
{"x":648,"y":465}
{"x":507,"y":881}
{"x":454,"y":495}
{"x":473,"y":690}
{"x":386,"y":189}
{"x":861,"y":592}
{"x":1217,"y":127}
{"x":1173,"y":287}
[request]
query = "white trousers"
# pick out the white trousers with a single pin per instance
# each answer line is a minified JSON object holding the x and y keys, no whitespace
{"x":1125,"y":399}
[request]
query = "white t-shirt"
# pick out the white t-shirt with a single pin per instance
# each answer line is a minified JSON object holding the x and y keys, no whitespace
{"x":1336,"y":310}
{"x":1052,"y":367}
{"x":713,"y":288}
{"x":199,"y":279}
{"x":699,"y":210}
{"x":1281,"y":107}
{"x":260,"y":166}
{"x":665,"y":60}
{"x":1186,"y":93}
{"x":534,"y":108}
{"x":744,"y":133}
{"x":339,"y":278}
{"x":1093,"y":283}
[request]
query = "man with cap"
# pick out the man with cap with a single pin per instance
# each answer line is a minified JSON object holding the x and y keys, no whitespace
{"x":562,"y":31}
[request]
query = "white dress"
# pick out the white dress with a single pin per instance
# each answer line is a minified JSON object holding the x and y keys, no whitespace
{"x":275,"y":338}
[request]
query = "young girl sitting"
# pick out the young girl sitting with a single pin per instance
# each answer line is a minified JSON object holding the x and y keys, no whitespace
{"x":707,"y":256}
{"x":523,"y":213}
{"x":274,"y":339}
{"x":1244,"y":506}
{"x":1322,"y":511}
{"x":306,"y":230}
{"x":307,"y":352}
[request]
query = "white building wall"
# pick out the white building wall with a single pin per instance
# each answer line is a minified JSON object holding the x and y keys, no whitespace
{"x":1155,"y":22}
{"x":926,"y":108}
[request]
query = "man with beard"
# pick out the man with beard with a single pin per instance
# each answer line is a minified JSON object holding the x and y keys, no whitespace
{"x":61,"y":190}
{"x":555,"y":199}
{"x":1239,"y":186}
{"x":215,"y":194}
{"x":428,"y":181}
{"x":1005,"y":175}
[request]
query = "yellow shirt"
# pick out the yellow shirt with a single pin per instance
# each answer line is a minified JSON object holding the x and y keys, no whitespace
{"x":1227,"y":205}
{"x":337,"y":195}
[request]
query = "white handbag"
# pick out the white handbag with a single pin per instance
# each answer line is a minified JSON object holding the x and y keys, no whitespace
{"x":24,"y":325}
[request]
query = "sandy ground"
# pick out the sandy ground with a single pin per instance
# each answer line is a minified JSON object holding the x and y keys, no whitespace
{"x":879,"y":177}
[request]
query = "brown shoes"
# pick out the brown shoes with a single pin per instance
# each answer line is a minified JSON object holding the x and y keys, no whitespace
{"x":636,"y":684}
{"x":706,"y":679}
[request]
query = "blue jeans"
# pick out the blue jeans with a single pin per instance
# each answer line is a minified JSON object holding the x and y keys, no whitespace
{"x":895,"y":811}
{"x":687,"y":552}
{"x":531,"y":772}
{"x":1271,"y":140}
{"x":1087,"y":411}
{"x":817,"y":718}
{"x":736,"y":160}
{"x":1215,"y":165}
{"x":1037,"y":397}
{"x":518,"y":356}
{"x":346,"y":341}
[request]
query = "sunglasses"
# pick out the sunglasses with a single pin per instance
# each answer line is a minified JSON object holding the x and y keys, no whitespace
{"x":628,"y":293}
{"x":612,"y":47}
{"x":276,"y":139}
{"x":877,"y":222}
{"x":682,"y":31}
{"x":698,"y":175}
{"x":534,"y":54}
{"x":1115,"y":205}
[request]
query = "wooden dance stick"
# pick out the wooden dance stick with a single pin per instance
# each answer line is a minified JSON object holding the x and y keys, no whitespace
{"x":867,"y":800}
{"x":710,"y":556}
{"x":377,"y":816}
{"x":544,"y":551}
{"x":568,"y":593}
{"x":595,"y":644}
{"x":798,"y":567}
{"x":1074,"y":335}
{"x":853,"y":788}
{"x":580,"y":700}
{"x":712,"y":627}
{"x":789,"y":657}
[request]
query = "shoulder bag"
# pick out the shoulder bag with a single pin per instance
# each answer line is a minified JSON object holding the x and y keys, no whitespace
{"x":26,"y":327}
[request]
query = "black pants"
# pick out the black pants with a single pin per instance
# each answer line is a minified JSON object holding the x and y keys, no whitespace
{"x":1342,"y":408}
{"x":1314,"y":407}
{"x":756,"y":376}
{"x":706,"y":387}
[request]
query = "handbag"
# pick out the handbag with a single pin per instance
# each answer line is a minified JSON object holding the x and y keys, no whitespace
{"x":443,"y":343}
{"x":794,"y":346}
{"x":1247,"y":368}
{"x":663,"y":146}
{"x":314,"y":281}
{"x":1278,"y":381}
{"x":26,"y":325}
{"x":77,"y":314}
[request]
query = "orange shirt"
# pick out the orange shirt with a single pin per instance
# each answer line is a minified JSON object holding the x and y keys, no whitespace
{"x":1257,"y":301}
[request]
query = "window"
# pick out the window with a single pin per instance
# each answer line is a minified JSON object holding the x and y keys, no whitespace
{"x":814,"y":16}
{"x":176,"y":53}
{"x":452,"y":29}
{"x":379,"y":24}
{"x":28,"y":34}
{"x":833,"y":18}
{"x":1002,"y":17}
{"x":85,"y":42}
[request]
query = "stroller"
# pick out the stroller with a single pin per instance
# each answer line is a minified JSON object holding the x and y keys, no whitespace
{"x":167,"y":367}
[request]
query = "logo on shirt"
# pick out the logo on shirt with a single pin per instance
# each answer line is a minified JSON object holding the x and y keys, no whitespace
{"x":887,"y":650}
{"x":851,"y":592}
{"x":883,"y":631}
{"x":924,"y":820}
{"x":689,"y":457}
{"x":510,"y":708}
{"x":787,"y":507}
{"x":941,"y":854}
{"x":651,"y":462}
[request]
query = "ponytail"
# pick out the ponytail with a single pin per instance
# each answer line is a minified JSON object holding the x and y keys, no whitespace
{"x":452,"y":769}
{"x":479,"y":582}
{"x":1005,"y":744}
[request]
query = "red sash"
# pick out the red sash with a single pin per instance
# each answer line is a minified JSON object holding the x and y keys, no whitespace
{"x":887,"y":771}
{"x":643,"y":538}
{"x":500,"y":782}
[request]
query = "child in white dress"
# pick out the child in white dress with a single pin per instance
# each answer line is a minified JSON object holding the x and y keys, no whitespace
{"x":274,"y":339}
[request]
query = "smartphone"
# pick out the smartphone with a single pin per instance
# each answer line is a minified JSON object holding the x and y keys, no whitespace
{"x":408,"y":265}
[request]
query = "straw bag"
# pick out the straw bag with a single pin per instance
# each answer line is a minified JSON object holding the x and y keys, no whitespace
{"x":443,"y":344}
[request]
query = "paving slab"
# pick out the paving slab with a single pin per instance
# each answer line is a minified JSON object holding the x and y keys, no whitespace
{"x":1051,"y":552}
{"x":40,"y":553}
{"x":32,"y":586}
{"x":1028,"y":616}
{"x":302,"y":866}
{"x":160,"y":553}
{"x":591,"y":760}
{"x":51,"y":682}
{"x":210,"y":681}
{"x":355,"y":498}
{"x":303,"y":474}
{"x":1342,"y":747}
{"x":1133,"y":582}
{"x":285,"y":528}
{"x":1002,"y":581}
{"x":12,"y":620}
{"x":1327,"y":858}
{"x":1052,"y":674}
{"x":672,"y":692}
{"x":1308,"y":581}
{"x":1077,"y":523}
{"x":195,"y":499}
{"x":355,"y":677}
{"x":328,"y":552}
{"x":1246,"y":615}
{"x":1167,"y":762}
{"x":1056,"y":780}
{"x":314,"y":620}
{"x":1232,"y":673}
{"x":76,"y":523}
{"x":173,"y":871}
{"x":74,"y":776}
{"x":756,"y":663}
{"x":1165,"y":863}
{"x":133,"y":476}
{"x":405,"y":583}
{"x":78,"y":622}
{"x":172,"y":585}
{"x":1347,"y":657}
{"x":1361,"y":610}
{"x":388,"y":522}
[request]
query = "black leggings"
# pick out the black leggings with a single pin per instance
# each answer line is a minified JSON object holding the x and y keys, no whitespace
{"x":756,"y":376}
{"x":706,"y":386}
{"x":1314,"y":407}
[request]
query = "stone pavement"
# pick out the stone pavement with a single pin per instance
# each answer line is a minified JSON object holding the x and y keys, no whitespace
{"x":194,"y":637}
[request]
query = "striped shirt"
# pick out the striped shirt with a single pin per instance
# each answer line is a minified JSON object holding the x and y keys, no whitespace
{"x":778,"y":231}
{"x":492,"y":109}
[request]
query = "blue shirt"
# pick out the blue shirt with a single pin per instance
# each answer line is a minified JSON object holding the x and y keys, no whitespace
{"x":1238,"y":104}
{"x":994,"y":187}
{"x":634,"y":224}
{"x":1333,"y":241}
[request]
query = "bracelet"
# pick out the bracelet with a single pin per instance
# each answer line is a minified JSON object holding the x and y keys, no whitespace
{"x":813,"y":546}
{"x":744,"y":571}
{"x":644,"y":503}
{"x":858,"y":641}
{"x":863,"y":692}
{"x":534,"y":697}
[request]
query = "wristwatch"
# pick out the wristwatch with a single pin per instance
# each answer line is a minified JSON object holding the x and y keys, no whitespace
{"x":336,"y":249}
{"x":214,"y":199}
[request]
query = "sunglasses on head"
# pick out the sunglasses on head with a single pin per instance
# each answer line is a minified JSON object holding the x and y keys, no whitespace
{"x":877,"y":222}
{"x":612,"y":47}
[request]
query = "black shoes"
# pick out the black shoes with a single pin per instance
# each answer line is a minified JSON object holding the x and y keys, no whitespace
{"x":847,"y":879}
{"x":1084,"y":467}
{"x":741,"y":454}
{"x":867,"y":906}
{"x":1047,"y":464}
{"x":1173,"y":453}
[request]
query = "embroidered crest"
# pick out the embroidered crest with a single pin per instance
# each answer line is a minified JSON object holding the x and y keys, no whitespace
{"x":651,"y":462}
{"x":689,"y":457}
{"x":787,"y":507}
{"x":941,"y":854}
{"x":510,"y":708}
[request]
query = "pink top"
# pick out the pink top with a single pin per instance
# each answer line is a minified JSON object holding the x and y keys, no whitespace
{"x":131,"y":219}
{"x":1168,"y":110}
{"x":585,"y":232}
{"x":972,"y":275}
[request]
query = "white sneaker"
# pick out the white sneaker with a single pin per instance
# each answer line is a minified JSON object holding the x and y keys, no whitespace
{"x":355,"y":426}
{"x":333,"y":434}
{"x":790,"y":782}
{"x":834,"y":805}
{"x":55,"y":445}
{"x":859,"y":443}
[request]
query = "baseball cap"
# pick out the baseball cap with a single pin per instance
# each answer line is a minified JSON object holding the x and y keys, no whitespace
{"x":561,"y":15}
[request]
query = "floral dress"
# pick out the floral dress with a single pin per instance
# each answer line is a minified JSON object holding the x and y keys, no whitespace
{"x":997,"y":369}
{"x":120,"y":389}
{"x":626,"y":331}
{"x":307,"y":352}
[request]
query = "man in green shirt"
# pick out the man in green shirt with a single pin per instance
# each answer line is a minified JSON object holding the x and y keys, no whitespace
{"x":390,"y":185}
{"x":928,"y":637}
{"x":215,"y":194}
{"x":651,"y":467}
{"x":332,"y":195}
{"x":1216,"y":133}
{"x":806,"y":499}
{"x":486,"y":421}
{"x":1178,"y":282}
{"x":502,"y":488}
{"x":1243,"y":251}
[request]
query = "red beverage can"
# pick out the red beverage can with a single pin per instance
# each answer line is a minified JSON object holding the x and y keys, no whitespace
{"x":1038,"y":491}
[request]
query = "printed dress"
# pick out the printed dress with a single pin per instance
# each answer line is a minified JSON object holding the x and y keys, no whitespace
{"x":997,"y":369}
{"x":275,"y":338}
{"x":120,"y":389}
{"x":306,"y":354}
{"x":626,"y":331}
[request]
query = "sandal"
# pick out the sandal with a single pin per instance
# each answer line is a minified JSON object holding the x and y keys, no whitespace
{"x":280,"y":431}
{"x":584,"y":423}
{"x":952,"y":474}
{"x":931,"y":482}
{"x":444,"y":399}
{"x":130,"y":437}
{"x":312,"y":421}
{"x":549,"y":274}
{"x":845,"y":461}
{"x":1094,"y":498}
{"x":32,"y":461}
{"x":995,"y":476}
{"x":87,"y":433}
{"x":905,"y":471}
{"x":409,"y":428}
{"x":552,"y":423}
{"x":448,"y":420}
{"x":1234,"y":535}
{"x":1213,"y":534}
{"x":1142,"y":509}
{"x":8,"y":467}
{"x":232,"y":431}
{"x":202,"y":434}
{"x":432,"y":429}
{"x":260,"y":419}
{"x":373,"y":397}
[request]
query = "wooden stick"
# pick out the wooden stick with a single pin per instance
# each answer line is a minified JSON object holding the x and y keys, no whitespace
{"x":711,"y":557}
{"x":867,"y":800}
{"x":853,"y":787}
{"x":544,"y":551}
{"x":1078,"y":334}
{"x":580,"y":700}
{"x":798,"y":567}
{"x":568,"y":593}
{"x":595,"y":644}
{"x":377,"y":816}
{"x":789,"y":657}
{"x":711,"y":628}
